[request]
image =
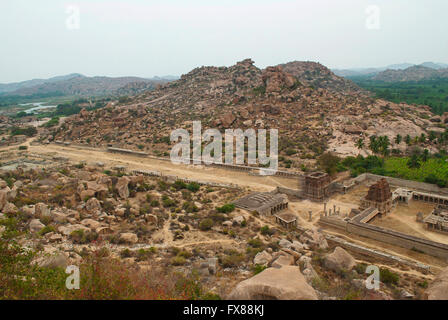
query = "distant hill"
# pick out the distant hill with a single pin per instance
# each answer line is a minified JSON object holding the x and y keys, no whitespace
{"x":414,"y":73}
{"x":11,"y":87}
{"x":370,"y":72}
{"x":79,"y":85}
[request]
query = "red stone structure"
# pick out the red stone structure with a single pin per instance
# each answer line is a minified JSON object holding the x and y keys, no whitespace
{"x":316,"y":186}
{"x":379,"y":196}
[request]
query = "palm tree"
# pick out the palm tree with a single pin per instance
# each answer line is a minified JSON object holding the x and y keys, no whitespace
{"x":360,"y":145}
{"x":413,"y":162}
{"x":398,"y":139}
{"x":374,"y":146}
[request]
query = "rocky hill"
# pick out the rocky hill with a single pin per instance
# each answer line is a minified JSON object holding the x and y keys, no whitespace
{"x":318,"y":76}
{"x":313,"y":109}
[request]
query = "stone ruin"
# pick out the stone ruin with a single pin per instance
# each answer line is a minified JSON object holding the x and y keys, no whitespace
{"x":379,"y":196}
{"x":316,"y":186}
{"x":265,"y":203}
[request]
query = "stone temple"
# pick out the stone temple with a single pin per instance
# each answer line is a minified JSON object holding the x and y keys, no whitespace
{"x":379,"y":196}
{"x":316,"y":186}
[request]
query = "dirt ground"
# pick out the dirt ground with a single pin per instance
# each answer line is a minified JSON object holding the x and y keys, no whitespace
{"x":76,"y":154}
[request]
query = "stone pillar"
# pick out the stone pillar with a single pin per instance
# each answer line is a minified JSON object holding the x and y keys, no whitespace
{"x":325,"y":208}
{"x":310,"y":216}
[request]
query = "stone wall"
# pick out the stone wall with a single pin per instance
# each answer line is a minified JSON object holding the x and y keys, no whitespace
{"x":421,"y":186}
{"x":388,"y":236}
{"x":289,"y":192}
{"x":333,"y":222}
{"x":399,"y":239}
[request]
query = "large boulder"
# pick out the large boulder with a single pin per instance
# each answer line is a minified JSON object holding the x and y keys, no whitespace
{"x":9,"y":208}
{"x":3,"y":197}
{"x":58,"y":260}
{"x":90,"y":223}
{"x":122,"y":187}
{"x":36,"y":225}
{"x":286,"y":283}
{"x":283,"y":260}
{"x":438,"y":289}
{"x":128,"y":238}
{"x":67,"y":230}
{"x":42,"y":210}
{"x":93,"y":205}
{"x":262,"y":258}
{"x":339,"y":260}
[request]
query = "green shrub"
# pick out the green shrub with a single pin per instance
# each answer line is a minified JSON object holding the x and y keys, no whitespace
{"x":388,"y":277}
{"x":227,"y":208}
{"x":206,"y":224}
{"x":265,"y":230}
{"x":193,"y":187}
{"x":178,"y":261}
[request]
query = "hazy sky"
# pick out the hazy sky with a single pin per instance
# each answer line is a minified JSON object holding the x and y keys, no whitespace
{"x":41,"y":39}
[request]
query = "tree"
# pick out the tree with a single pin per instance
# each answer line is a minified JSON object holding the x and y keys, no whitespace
{"x":398,"y":139}
{"x":422,"y":138}
{"x":425,"y":155}
{"x":413,"y":162}
{"x":407,"y":139}
{"x":360,"y":144}
{"x":432,"y":136}
{"x":329,"y":162}
{"x":374,"y":145}
{"x":383,"y":145}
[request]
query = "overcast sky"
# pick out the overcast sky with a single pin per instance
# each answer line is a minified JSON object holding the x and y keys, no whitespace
{"x":41,"y":39}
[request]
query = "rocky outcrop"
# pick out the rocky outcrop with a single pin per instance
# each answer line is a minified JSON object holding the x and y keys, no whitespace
{"x":339,"y":260}
{"x":275,"y":79}
{"x":286,"y":283}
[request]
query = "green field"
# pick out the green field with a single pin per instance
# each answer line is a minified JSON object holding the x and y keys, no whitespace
{"x":434,"y":170}
{"x":398,"y":168}
{"x":433,"y":93}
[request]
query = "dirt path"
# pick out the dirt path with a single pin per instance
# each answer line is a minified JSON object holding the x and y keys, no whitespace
{"x":211,"y":174}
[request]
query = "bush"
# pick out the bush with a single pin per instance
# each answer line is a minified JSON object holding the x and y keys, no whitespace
{"x":232,"y":259}
{"x":388,"y":277}
{"x":179,"y":185}
{"x":193,"y":187}
{"x":23,"y":148}
{"x":178,"y":261}
{"x":265,"y":230}
{"x":227,"y":208}
{"x":81,"y":237}
{"x":258,"y":268}
{"x":206,"y":224}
